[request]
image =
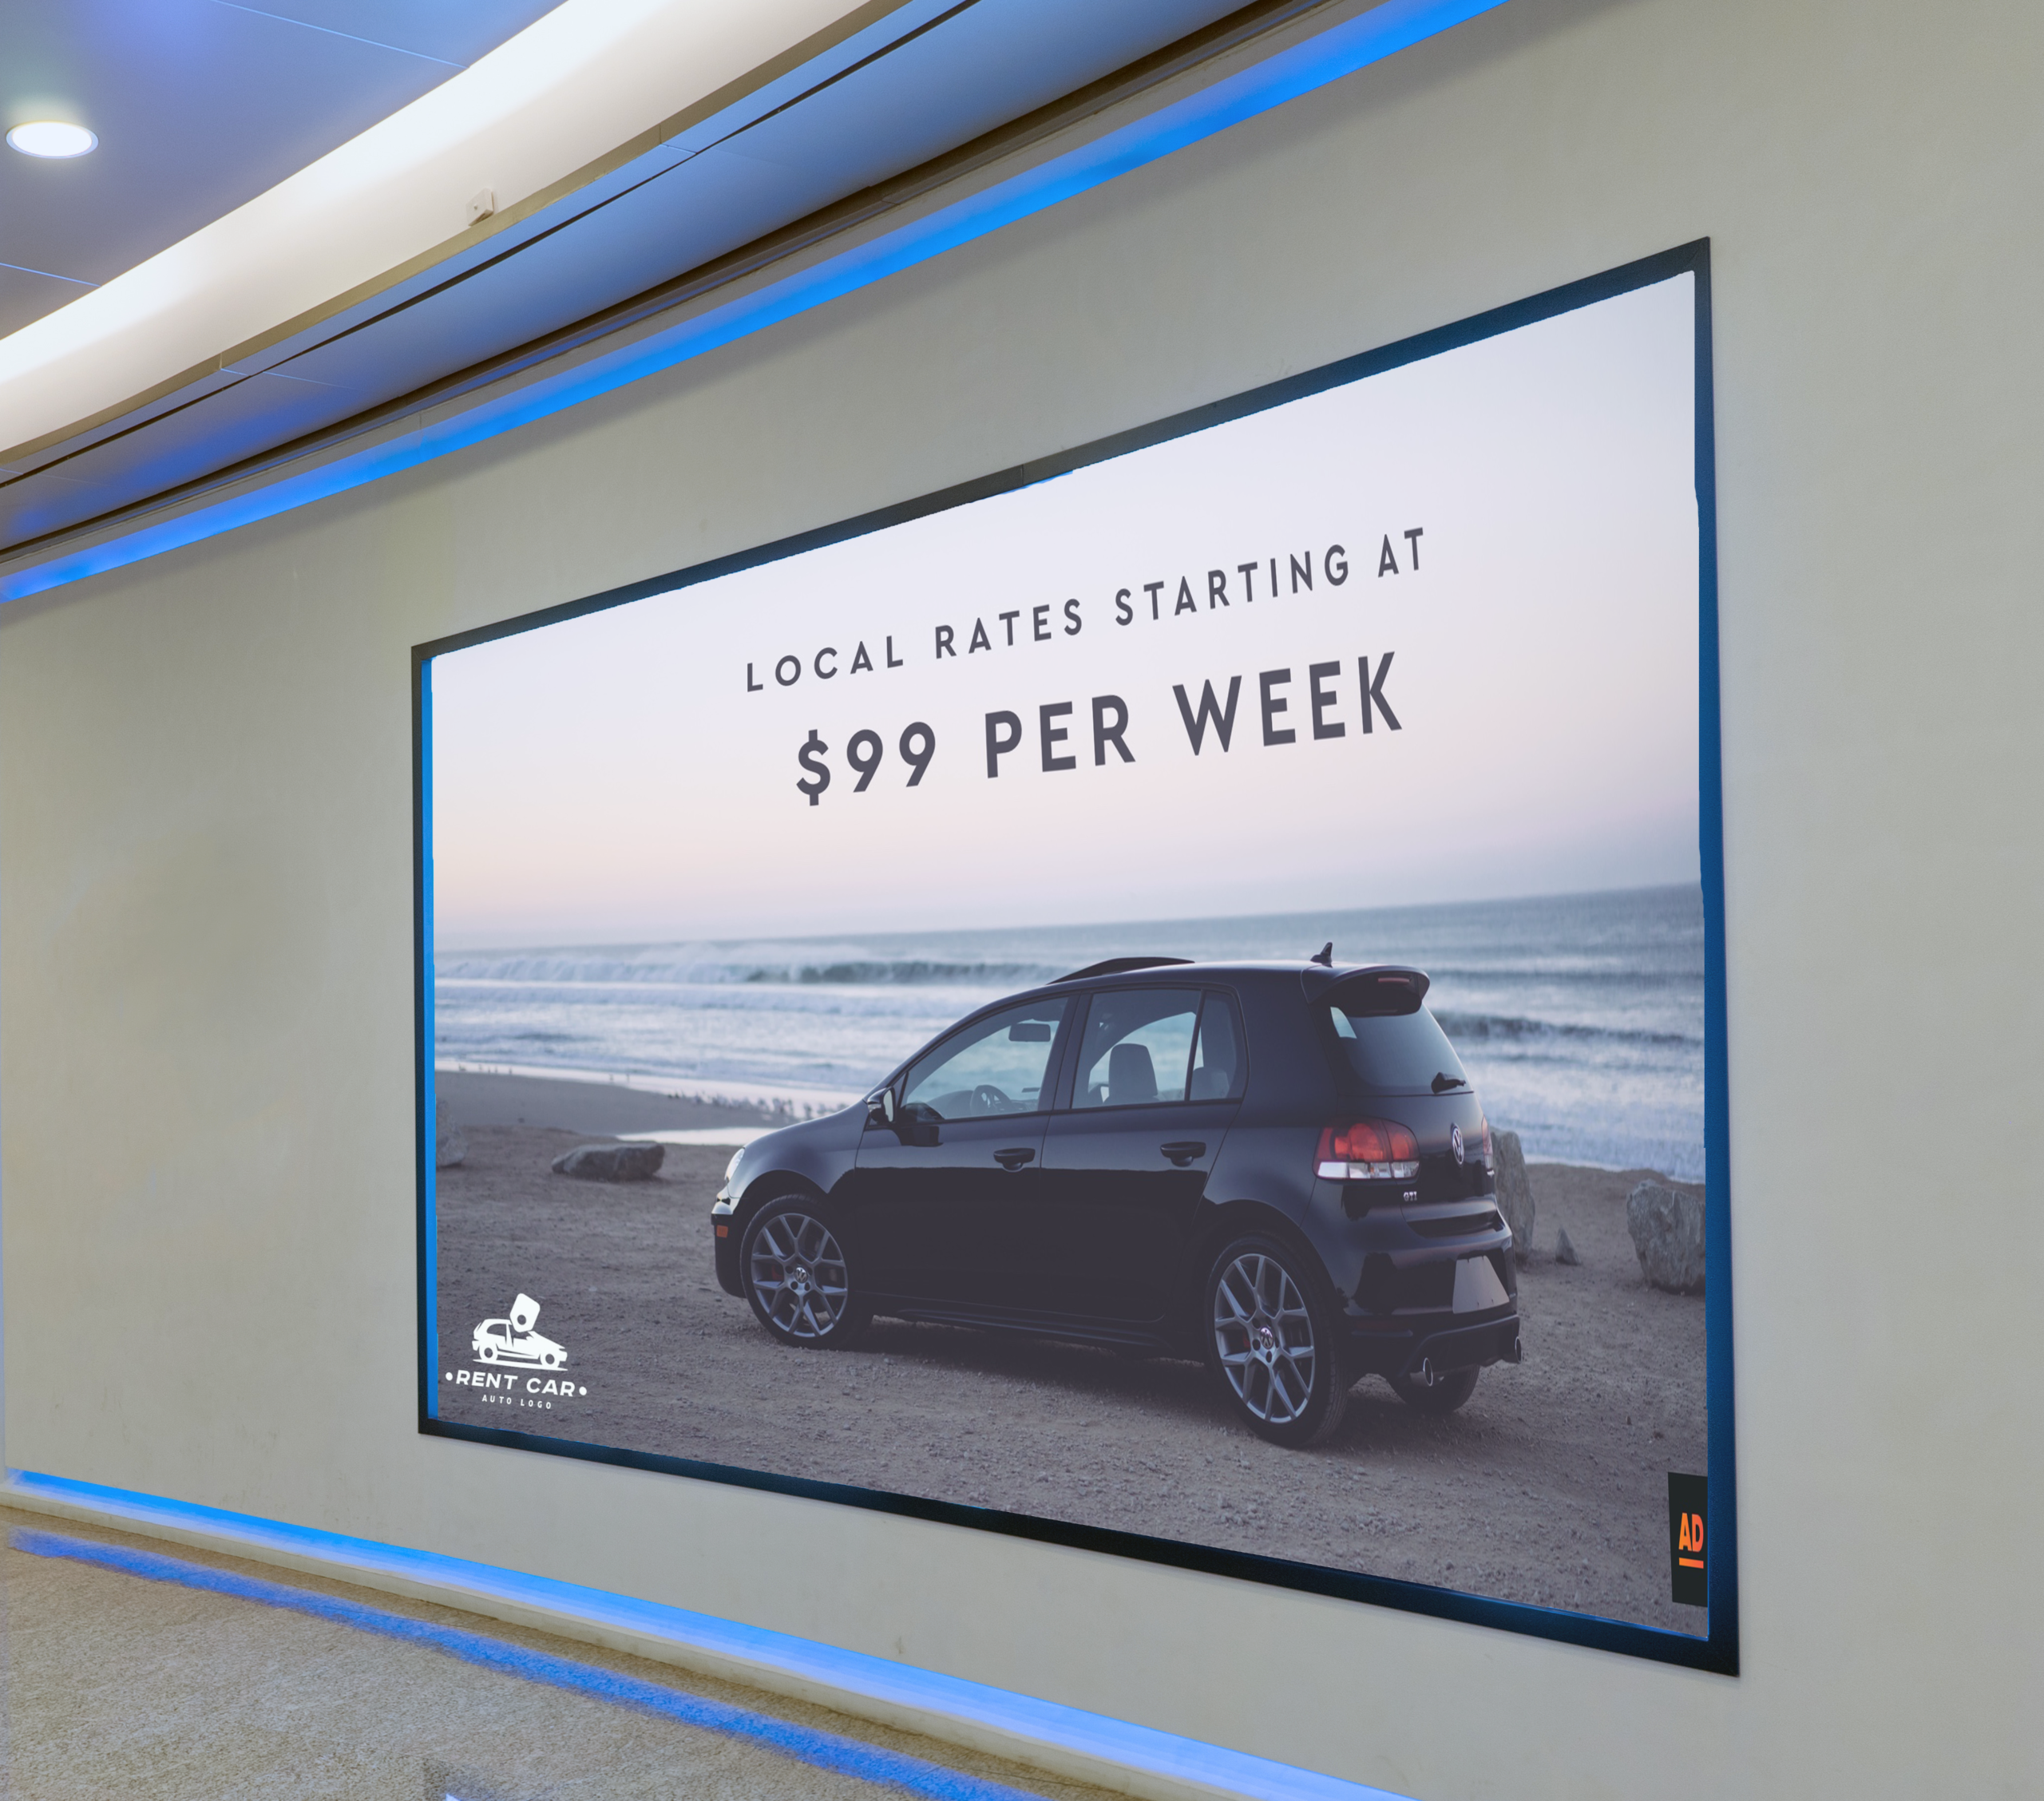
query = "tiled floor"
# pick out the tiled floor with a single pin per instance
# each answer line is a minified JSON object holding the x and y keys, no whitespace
{"x":147,"y":1671}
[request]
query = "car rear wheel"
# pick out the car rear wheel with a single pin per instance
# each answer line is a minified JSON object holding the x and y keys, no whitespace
{"x":796,"y":1274}
{"x":1272,"y":1343}
{"x":1442,"y":1396}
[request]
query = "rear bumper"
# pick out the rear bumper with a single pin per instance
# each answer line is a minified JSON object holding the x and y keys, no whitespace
{"x":1443,"y":1343}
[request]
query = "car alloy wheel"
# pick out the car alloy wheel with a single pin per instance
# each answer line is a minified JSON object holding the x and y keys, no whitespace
{"x":797,"y":1278}
{"x":1273,"y":1346}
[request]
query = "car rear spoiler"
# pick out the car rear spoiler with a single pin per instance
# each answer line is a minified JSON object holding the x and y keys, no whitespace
{"x":1380,"y":988}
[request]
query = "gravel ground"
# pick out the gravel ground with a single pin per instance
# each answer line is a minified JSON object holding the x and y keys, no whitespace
{"x":1548,"y":1487}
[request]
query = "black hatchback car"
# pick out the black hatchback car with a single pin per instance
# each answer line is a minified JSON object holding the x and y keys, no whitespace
{"x":1279,"y":1168}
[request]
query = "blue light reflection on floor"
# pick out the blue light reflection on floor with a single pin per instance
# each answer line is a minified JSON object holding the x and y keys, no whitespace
{"x":824,"y":1751}
{"x":1342,"y":49}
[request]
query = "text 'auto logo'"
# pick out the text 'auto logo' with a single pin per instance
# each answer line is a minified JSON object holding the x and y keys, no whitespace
{"x":509,"y":1346}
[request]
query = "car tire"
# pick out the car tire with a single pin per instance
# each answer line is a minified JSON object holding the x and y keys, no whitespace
{"x":795,"y":1275}
{"x":487,"y":1353}
{"x":1447,"y":1393}
{"x":1273,"y":1342}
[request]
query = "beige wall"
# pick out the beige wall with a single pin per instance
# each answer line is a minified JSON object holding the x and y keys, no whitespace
{"x":205,"y":894}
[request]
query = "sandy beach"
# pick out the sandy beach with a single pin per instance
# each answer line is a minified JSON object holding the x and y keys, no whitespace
{"x":1548,"y":1487}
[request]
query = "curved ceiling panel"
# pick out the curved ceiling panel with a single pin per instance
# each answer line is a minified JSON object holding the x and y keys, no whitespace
{"x":813,"y":148}
{"x":200,"y":106}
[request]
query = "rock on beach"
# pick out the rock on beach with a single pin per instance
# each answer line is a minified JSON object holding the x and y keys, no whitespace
{"x":450,"y":1144}
{"x":1514,"y":1192}
{"x":611,"y":1162}
{"x":1667,"y":1231}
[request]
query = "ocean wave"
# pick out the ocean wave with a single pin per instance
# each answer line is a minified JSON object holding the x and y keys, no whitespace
{"x":1480,"y":1027}
{"x":914,"y":971}
{"x":1642,"y":973}
{"x":690,"y":967}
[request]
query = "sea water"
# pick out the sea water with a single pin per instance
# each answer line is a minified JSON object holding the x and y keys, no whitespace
{"x":1578,"y":1017}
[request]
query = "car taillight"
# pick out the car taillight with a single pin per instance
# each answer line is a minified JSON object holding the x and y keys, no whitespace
{"x":1489,"y":1152}
{"x":1367,"y":1151}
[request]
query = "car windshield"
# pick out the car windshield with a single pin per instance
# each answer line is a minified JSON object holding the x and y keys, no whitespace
{"x":1399,"y":1053}
{"x":996,"y":1067}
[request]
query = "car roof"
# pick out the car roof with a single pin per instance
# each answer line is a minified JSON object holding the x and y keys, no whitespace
{"x":1166,"y":972}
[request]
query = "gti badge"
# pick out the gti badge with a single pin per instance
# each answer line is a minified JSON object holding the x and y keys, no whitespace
{"x":1455,"y":1142}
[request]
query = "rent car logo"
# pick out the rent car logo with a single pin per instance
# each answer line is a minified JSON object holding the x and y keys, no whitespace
{"x":507,"y":1347}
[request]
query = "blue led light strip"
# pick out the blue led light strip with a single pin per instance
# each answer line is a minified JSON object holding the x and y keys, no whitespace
{"x":1340,"y":50}
{"x":826,"y":1750}
{"x":850,"y":1673}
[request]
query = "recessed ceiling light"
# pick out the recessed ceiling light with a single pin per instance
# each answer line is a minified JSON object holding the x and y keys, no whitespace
{"x":51,"y":137}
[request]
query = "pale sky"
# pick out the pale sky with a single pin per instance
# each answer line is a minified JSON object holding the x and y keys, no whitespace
{"x":611,"y":778}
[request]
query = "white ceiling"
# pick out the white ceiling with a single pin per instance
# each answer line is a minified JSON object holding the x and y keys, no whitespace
{"x":200,"y":106}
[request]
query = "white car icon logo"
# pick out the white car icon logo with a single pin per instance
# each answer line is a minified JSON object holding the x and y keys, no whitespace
{"x":513,"y":1341}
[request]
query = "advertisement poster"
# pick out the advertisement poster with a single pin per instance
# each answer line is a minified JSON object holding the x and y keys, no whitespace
{"x":1162,"y":1006}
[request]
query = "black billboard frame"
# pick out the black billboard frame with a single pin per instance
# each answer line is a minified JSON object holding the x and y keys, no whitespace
{"x":1717,"y":1649}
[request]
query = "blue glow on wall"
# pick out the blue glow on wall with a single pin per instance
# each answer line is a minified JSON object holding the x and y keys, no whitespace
{"x":899,"y":1685}
{"x":804,"y":1744}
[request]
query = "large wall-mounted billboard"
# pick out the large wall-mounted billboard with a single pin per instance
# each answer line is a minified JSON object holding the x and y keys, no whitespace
{"x":1169,"y":1000}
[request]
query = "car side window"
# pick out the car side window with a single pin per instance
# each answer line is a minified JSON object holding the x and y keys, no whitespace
{"x":1217,"y":1068}
{"x":997,"y":1066}
{"x":1136,"y":1047}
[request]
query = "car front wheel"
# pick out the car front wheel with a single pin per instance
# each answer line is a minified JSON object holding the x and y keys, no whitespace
{"x":1272,"y":1343}
{"x":797,"y":1277}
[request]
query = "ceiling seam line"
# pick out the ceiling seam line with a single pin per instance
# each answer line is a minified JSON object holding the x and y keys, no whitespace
{"x":328,"y":31}
{"x":49,"y":275}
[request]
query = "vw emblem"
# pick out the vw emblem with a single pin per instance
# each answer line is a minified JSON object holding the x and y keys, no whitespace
{"x":1455,"y":1142}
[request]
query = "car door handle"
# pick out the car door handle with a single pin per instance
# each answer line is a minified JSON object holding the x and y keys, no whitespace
{"x":1014,"y":1159}
{"x":1184,"y":1151}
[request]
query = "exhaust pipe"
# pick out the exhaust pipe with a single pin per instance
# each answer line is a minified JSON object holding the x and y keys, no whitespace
{"x":1424,"y":1374}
